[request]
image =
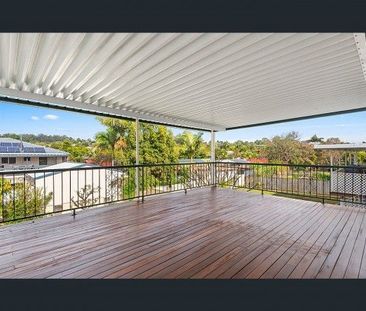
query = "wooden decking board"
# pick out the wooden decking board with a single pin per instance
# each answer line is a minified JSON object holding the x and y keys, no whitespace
{"x":249,"y":246}
{"x":329,"y":263}
{"x":246,"y":246}
{"x":231,"y":219}
{"x":206,"y":233}
{"x":179,"y":266}
{"x":263,"y":245}
{"x":143,"y":254}
{"x":317,"y":261}
{"x":109,"y":237}
{"x":109,"y":249}
{"x":259,"y":265}
{"x":344,"y":257}
{"x":160,"y":246}
{"x":305,"y":241}
{"x":303,"y":257}
{"x":354,"y":264}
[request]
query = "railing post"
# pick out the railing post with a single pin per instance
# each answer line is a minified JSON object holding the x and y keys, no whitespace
{"x":137,"y":155}
{"x":143,"y":184}
{"x":213,"y":159}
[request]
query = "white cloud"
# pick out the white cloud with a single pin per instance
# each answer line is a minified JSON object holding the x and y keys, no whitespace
{"x":50,"y":117}
{"x":35,"y":118}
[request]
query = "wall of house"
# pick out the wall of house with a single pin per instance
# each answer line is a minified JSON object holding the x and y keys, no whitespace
{"x":67,"y":188}
{"x":34,"y":162}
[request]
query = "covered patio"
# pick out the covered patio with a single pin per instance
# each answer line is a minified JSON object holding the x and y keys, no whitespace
{"x":205,"y":229}
{"x":206,"y":233}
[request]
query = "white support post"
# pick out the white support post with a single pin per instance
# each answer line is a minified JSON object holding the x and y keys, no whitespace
{"x":137,"y":151}
{"x":213,"y":158}
{"x":331,"y":171}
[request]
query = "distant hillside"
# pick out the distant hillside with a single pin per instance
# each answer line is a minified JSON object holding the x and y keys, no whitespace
{"x":47,"y":139}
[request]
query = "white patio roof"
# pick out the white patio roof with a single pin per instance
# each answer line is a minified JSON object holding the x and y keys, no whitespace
{"x":212,"y":81}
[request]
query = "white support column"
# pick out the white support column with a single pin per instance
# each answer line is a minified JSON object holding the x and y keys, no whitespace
{"x":137,"y":152}
{"x":331,"y":171}
{"x":213,"y":158}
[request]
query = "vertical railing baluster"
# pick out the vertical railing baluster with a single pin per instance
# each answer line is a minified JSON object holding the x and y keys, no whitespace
{"x":99,"y":187}
{"x":44,"y":193}
{"x":35,"y":195}
{"x":62,"y":190}
{"x":53,"y":191}
{"x":310,"y":184}
{"x":13,"y":185}
{"x":143,"y":185}
{"x":92,"y":186}
{"x":70,"y":189}
{"x":24,"y":202}
{"x":2,"y":198}
{"x":78,"y":189}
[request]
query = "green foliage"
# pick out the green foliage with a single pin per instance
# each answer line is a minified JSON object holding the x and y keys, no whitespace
{"x":316,"y":139}
{"x":157,"y":144}
{"x":192,"y":146}
{"x":22,"y":200}
{"x":78,"y":152}
{"x":237,"y":149}
{"x":118,"y":141}
{"x":289,"y":149}
{"x":45,"y":140}
{"x":361,"y":157}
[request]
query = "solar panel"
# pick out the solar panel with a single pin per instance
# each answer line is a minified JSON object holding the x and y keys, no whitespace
{"x":17,"y":148}
{"x":13,"y":149}
{"x":28,"y":149}
{"x":39,"y":150}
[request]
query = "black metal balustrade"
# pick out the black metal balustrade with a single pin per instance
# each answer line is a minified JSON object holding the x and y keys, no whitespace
{"x":333,"y":184}
{"x":34,"y":193}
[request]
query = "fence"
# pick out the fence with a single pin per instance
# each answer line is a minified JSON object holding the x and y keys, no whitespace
{"x":344,"y":184}
{"x":33,"y":193}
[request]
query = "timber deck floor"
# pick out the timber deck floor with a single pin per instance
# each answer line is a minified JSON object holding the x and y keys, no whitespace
{"x":206,"y":233}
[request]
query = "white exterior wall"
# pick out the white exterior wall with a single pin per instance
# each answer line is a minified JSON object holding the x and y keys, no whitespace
{"x":65,"y":186}
{"x":33,"y":163}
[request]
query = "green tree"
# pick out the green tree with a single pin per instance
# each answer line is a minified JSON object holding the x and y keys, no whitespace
{"x":361,"y":157}
{"x":290,"y":150}
{"x":78,"y":151}
{"x":157,"y":144}
{"x":191,"y":145}
{"x":22,"y":199}
{"x":316,"y":139}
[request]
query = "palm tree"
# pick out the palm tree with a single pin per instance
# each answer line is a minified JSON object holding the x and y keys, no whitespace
{"x":109,"y":140}
{"x":192,"y":143}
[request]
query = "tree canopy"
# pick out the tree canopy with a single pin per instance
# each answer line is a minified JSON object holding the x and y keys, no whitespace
{"x":116,"y":145}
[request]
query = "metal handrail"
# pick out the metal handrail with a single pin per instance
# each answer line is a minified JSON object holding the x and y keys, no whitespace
{"x":38,"y":192}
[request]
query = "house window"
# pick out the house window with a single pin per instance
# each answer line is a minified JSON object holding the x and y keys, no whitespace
{"x":4,"y":160}
{"x":26,"y":159}
{"x":42,"y":161}
{"x":12,"y":160}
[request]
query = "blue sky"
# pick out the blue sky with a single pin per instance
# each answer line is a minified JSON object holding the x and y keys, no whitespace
{"x":20,"y":119}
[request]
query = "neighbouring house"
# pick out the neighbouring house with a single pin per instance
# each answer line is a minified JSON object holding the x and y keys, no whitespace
{"x":16,"y":154}
{"x":76,"y":185}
